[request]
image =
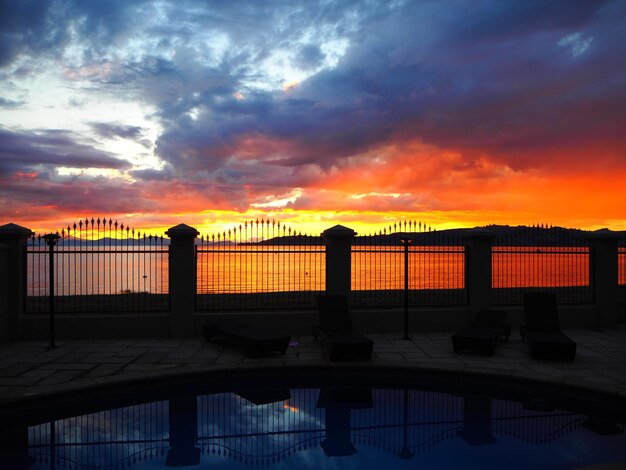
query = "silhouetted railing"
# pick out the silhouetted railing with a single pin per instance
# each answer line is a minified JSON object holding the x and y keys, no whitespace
{"x":532,"y":424}
{"x":621,"y":276}
{"x":536,"y":258}
{"x":436,"y":267}
{"x":261,"y":264}
{"x":110,"y":439}
{"x":99,"y":266}
{"x":256,"y":428}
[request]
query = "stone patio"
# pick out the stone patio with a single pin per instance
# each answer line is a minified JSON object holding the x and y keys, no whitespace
{"x":29,"y":370}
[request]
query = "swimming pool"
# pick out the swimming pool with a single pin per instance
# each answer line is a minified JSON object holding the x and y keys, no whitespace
{"x":314,"y":418}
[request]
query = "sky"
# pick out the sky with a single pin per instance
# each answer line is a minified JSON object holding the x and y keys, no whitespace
{"x":455,"y":113}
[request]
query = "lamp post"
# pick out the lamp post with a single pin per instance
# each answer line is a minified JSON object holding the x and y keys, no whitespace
{"x":406,"y":242}
{"x":405,"y":453}
{"x":51,"y":239}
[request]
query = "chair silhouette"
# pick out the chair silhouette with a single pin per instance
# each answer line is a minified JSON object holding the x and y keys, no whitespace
{"x":256,"y":342}
{"x":488,"y":326}
{"x":542,"y":330}
{"x":335,"y":329}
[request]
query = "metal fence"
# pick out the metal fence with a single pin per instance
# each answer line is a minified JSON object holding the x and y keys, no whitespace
{"x":434,"y":262}
{"x":109,"y":439}
{"x":621,"y":277}
{"x":261,"y":264}
{"x":98,"y":265}
{"x":541,"y":258}
{"x":262,"y":427}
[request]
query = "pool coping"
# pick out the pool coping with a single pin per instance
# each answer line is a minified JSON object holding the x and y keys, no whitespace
{"x":474,"y":380}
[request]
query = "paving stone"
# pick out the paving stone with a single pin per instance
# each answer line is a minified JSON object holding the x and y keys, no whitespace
{"x":29,"y":368}
{"x":59,"y":377}
{"x":151,"y":357}
{"x":67,"y":366}
{"x":18,"y":381}
{"x":69,"y":357}
{"x":15,"y":370}
{"x":107,"y":359}
{"x":40,"y":373}
{"x":103,"y":370}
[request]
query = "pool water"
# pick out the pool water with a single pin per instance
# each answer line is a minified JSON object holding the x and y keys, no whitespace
{"x":338,"y":424}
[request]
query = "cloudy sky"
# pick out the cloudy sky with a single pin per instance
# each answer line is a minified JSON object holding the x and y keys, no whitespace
{"x":457,"y":113}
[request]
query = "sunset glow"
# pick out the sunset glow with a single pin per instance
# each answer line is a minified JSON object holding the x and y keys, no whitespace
{"x":362,"y":114}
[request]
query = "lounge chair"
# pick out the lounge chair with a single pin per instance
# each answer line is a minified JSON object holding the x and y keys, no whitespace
{"x":542,"y":330}
{"x":256,"y":342}
{"x":488,"y":326}
{"x":335,"y":329}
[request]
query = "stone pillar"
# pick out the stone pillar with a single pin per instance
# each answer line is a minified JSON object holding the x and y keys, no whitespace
{"x":603,"y":276}
{"x":338,"y":257}
{"x":4,"y":293}
{"x":182,"y":279}
{"x":183,"y":418}
{"x":12,"y":279}
{"x":478,"y":244}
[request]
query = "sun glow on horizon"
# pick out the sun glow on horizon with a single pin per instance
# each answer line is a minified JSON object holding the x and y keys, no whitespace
{"x":315,"y":222}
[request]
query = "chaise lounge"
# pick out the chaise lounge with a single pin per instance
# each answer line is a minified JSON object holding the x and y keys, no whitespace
{"x":542,"y":330}
{"x":486,"y":329}
{"x":256,"y":342}
{"x":335,"y":329}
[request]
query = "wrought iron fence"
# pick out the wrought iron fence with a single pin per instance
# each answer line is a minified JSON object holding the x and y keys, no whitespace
{"x":259,"y":428}
{"x":98,"y":265}
{"x":540,"y":258}
{"x":261,"y":264}
{"x":110,"y":439}
{"x":436,"y":267}
{"x":621,"y":280}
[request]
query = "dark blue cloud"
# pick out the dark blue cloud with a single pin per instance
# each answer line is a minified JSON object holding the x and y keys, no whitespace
{"x":488,"y":77}
{"x":309,"y":56}
{"x":10,"y":104}
{"x":23,"y":151}
{"x":26,"y":27}
{"x":512,"y":79}
{"x":110,"y":131}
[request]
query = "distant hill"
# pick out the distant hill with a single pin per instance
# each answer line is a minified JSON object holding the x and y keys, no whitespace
{"x":106,"y":241}
{"x":504,"y":235}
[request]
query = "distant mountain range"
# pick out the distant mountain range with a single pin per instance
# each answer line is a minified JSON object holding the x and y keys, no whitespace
{"x":106,"y":241}
{"x":504,"y":234}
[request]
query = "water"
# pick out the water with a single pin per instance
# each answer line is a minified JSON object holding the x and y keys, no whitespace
{"x":257,"y":269}
{"x":334,"y":425}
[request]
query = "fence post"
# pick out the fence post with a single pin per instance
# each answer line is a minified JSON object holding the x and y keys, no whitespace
{"x":12,"y":279}
{"x":338,"y":259}
{"x":182,"y":279}
{"x":603,"y":276}
{"x":478,"y":244}
{"x":4,"y":293}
